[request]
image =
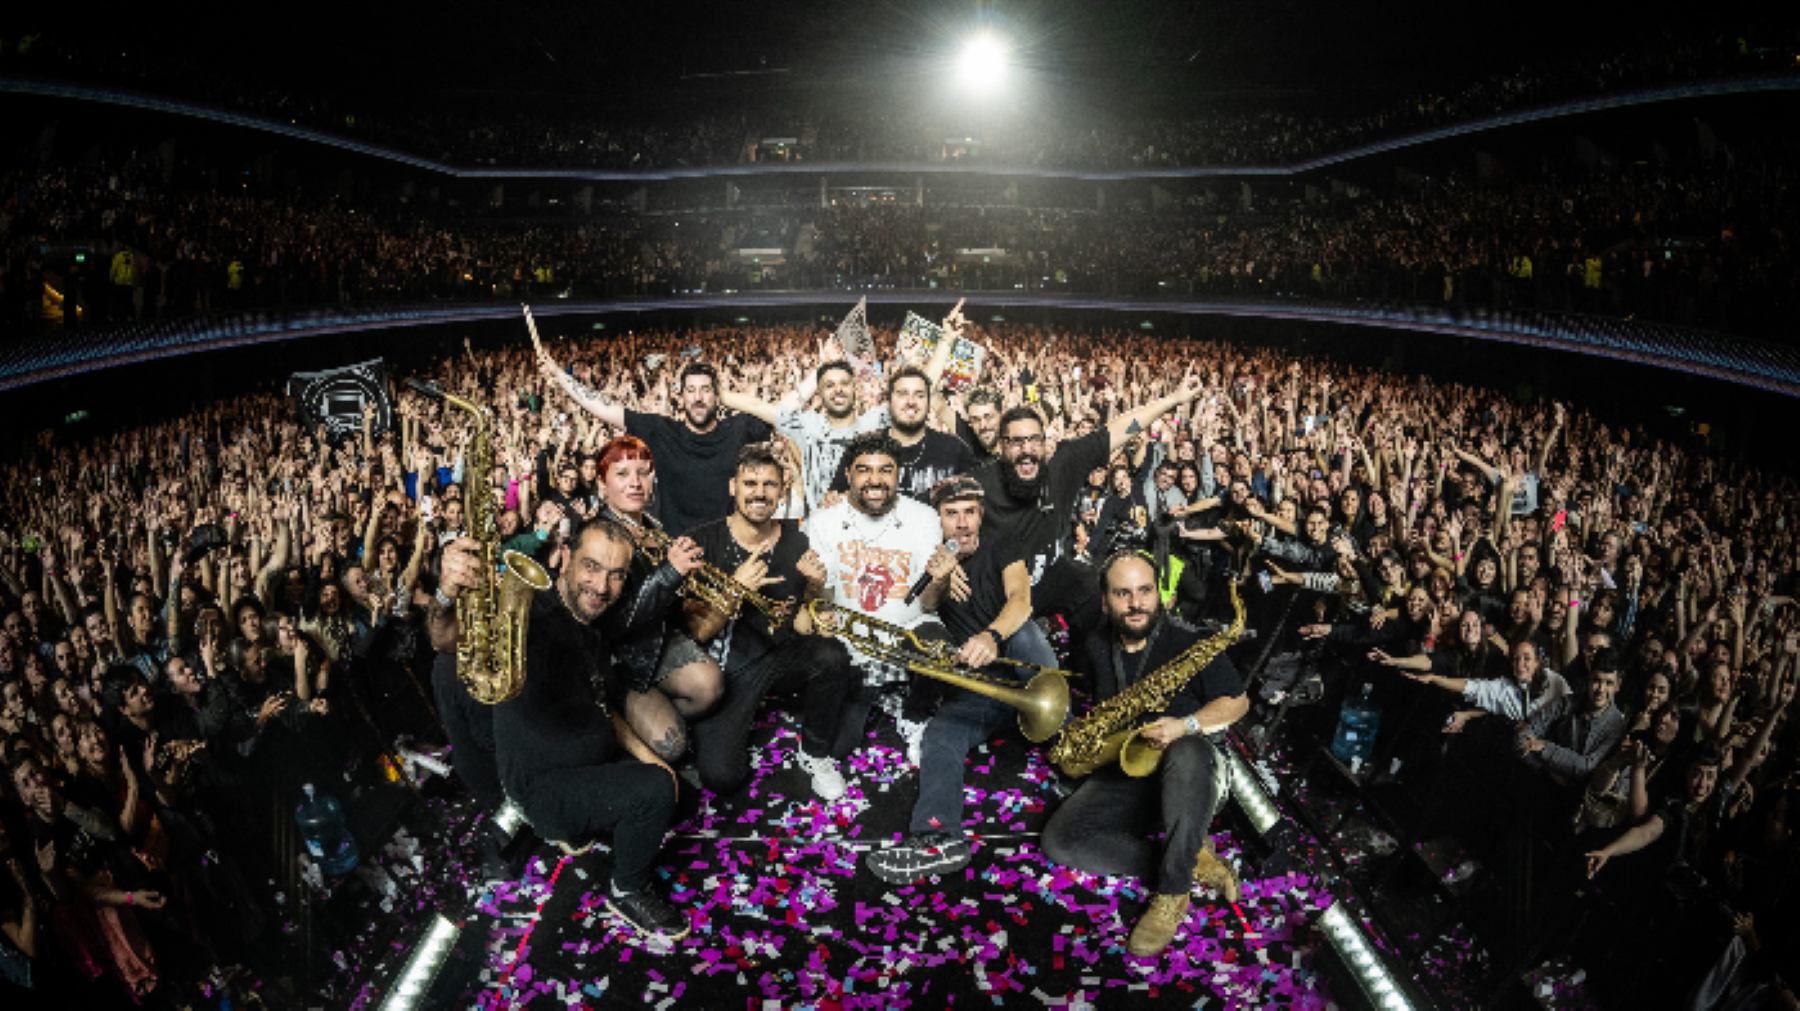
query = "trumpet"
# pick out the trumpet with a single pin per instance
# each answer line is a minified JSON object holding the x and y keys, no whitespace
{"x":1043,"y":702}
{"x":713,"y":586}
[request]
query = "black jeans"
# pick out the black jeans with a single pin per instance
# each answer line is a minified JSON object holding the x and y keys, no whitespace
{"x":1103,"y":827}
{"x":922,"y":696}
{"x":469,"y":725}
{"x":635,"y":800}
{"x":816,"y":667}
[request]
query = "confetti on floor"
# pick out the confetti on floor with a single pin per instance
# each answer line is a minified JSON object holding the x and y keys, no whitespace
{"x":785,"y":917}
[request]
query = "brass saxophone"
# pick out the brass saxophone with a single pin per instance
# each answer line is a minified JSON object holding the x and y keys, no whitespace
{"x":493,"y":618}
{"x":1110,"y":731}
{"x":1043,"y":703}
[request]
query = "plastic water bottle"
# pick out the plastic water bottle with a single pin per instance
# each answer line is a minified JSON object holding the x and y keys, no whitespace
{"x":328,"y":839}
{"x":1354,"y":742}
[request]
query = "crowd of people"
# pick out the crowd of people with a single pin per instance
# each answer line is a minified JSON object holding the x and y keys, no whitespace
{"x":208,"y":612}
{"x":1701,"y":241}
{"x":1277,"y":135}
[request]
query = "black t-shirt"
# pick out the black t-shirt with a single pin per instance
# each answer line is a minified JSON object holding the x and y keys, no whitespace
{"x":922,"y":465}
{"x":972,"y":440}
{"x":1218,"y":680}
{"x":559,"y":721}
{"x":986,"y":570}
{"x":693,"y":470}
{"x":746,"y":639}
{"x":1040,"y":526}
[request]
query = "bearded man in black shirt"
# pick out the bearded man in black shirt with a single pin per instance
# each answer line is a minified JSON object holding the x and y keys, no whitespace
{"x":773,"y":558}
{"x":1030,"y":498}
{"x":926,"y":456}
{"x":574,"y":766}
{"x":1103,"y":827}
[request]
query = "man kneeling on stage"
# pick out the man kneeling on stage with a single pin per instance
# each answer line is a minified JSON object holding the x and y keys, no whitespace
{"x":559,"y":746}
{"x":987,"y":608}
{"x":773,"y":558}
{"x":1103,"y":827}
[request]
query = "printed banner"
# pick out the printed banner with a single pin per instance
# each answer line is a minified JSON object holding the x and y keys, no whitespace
{"x":919,"y":337}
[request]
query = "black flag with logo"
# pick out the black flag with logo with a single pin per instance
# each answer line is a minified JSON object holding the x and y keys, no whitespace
{"x":335,"y":399}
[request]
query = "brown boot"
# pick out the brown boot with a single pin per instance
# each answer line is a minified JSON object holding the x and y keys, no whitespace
{"x":1156,"y":928}
{"x":1216,"y":874}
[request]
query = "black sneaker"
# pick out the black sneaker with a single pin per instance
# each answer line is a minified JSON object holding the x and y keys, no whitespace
{"x":650,"y":914}
{"x":919,"y":856}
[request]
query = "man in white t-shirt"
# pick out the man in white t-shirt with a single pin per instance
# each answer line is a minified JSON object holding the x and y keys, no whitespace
{"x":876,"y":545}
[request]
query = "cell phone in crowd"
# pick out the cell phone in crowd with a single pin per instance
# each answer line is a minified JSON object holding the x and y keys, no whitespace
{"x":426,"y":506}
{"x":1268,"y":585}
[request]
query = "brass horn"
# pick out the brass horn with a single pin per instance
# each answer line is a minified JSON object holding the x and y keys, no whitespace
{"x":1043,"y":702}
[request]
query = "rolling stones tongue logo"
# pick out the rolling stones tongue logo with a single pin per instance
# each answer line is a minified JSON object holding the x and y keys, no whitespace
{"x":873,"y":586}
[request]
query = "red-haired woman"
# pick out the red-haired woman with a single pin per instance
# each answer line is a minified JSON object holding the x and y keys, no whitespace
{"x":672,"y":678}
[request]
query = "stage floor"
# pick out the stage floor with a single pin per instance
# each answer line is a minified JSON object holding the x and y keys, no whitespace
{"x":785,"y":917}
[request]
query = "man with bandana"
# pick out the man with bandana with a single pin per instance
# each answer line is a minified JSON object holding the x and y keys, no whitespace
{"x":1030,"y":496}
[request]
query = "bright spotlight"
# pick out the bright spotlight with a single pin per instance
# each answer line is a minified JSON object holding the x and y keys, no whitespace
{"x":982,"y":64}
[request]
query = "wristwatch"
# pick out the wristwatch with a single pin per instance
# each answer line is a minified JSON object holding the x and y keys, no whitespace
{"x":1192,"y":723}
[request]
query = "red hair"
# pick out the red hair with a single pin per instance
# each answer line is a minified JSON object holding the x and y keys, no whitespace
{"x":625,"y":447}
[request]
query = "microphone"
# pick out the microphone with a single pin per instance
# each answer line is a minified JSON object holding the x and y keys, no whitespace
{"x":925,"y":580}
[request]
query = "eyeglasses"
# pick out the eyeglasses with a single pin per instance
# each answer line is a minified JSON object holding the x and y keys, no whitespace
{"x":1024,"y":441}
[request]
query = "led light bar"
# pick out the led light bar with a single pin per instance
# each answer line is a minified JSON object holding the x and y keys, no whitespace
{"x":1359,"y":954}
{"x":422,"y":967}
{"x":1247,"y":787}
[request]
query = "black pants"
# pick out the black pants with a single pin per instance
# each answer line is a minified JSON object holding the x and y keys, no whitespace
{"x":469,"y":725}
{"x":922,"y":697}
{"x":1103,"y":827}
{"x":816,"y":667}
{"x":636,"y":801}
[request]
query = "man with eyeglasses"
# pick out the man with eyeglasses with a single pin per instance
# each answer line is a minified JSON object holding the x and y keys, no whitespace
{"x":1030,"y":497}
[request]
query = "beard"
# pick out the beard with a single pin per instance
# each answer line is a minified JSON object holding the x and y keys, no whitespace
{"x":862,"y":504}
{"x":908,"y":430}
{"x":1117,"y":621}
{"x":1016,"y":486}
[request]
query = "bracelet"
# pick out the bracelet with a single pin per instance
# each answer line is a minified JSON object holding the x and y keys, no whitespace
{"x":443,"y":601}
{"x":1192,"y":723}
{"x":999,"y":640}
{"x":129,"y":900}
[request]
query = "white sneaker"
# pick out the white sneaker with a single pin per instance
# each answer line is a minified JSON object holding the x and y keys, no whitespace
{"x":914,"y":736}
{"x":827,"y":781}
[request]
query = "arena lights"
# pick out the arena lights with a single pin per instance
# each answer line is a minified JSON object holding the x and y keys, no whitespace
{"x":1363,"y":961}
{"x":1247,"y":787}
{"x":983,"y":63}
{"x":409,"y":990}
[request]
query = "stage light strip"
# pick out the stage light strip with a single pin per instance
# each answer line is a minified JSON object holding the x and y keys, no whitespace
{"x":1359,"y":954}
{"x":423,"y":966}
{"x":1247,"y":787}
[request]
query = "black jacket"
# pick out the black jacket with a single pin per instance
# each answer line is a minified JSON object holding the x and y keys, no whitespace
{"x":559,"y":721}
